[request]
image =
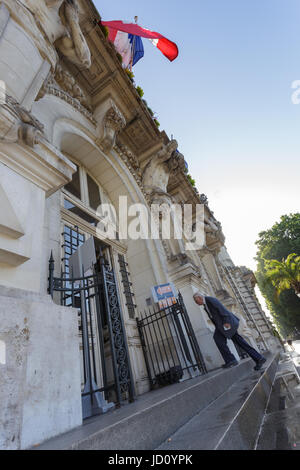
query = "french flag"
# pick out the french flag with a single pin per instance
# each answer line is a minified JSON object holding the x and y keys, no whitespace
{"x":127,"y":40}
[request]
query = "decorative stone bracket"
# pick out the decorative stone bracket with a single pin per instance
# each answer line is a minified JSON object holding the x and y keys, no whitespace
{"x":17,"y":124}
{"x":160,"y":166}
{"x":113,"y":122}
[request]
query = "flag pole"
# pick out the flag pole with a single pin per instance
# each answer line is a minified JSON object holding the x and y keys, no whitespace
{"x":133,"y":45}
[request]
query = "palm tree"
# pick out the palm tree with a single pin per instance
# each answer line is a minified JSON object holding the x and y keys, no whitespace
{"x":284,"y":274}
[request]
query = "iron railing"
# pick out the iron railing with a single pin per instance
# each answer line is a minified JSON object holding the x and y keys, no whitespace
{"x":170,"y":347}
{"x":96,"y":298}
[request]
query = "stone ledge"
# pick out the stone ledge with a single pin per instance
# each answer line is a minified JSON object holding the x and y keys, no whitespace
{"x":43,"y":165}
{"x":27,"y":295}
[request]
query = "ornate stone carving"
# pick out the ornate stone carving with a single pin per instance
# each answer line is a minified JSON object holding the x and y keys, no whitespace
{"x":133,"y":165}
{"x":68,"y":83}
{"x":113,"y":123}
{"x":156,"y":176}
{"x":64,"y":86}
{"x":159,"y":168}
{"x":16,"y":123}
{"x":203,"y":199}
{"x":59,"y":21}
{"x":131,"y":160}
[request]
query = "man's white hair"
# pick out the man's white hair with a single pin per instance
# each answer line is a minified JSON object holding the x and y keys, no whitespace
{"x":198,"y":294}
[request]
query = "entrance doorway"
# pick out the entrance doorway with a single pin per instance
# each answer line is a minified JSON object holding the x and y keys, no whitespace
{"x":105,"y":363}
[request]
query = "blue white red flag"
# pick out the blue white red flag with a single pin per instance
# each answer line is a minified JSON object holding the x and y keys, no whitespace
{"x":127,"y":40}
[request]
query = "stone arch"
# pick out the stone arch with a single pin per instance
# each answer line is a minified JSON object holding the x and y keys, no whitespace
{"x":145,"y":257}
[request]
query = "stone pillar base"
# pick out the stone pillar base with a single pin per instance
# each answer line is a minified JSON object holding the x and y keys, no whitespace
{"x":40,"y":390}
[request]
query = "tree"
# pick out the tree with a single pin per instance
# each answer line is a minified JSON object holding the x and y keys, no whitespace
{"x":275,"y":244}
{"x":284,"y":274}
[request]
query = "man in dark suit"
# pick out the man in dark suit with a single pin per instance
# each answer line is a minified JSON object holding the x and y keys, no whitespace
{"x":227,"y":324}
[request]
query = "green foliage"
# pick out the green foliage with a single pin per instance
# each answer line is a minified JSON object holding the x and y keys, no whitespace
{"x":156,"y":122}
{"x":140,"y":91}
{"x":104,"y":30}
{"x":129,"y":74}
{"x":191,"y":180}
{"x":150,"y":111}
{"x":120,"y":58}
{"x":284,"y":274}
{"x":275,"y":244}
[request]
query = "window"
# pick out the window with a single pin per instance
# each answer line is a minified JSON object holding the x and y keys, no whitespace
{"x":72,"y":240}
{"x":74,"y":186}
{"x":94,"y":193}
{"x":93,"y":207}
{"x":80,"y":213}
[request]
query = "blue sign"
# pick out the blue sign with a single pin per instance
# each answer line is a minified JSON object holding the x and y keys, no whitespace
{"x":163,"y":292}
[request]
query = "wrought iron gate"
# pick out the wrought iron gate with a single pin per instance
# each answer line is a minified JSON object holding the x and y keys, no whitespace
{"x":170,"y":347}
{"x":97,"y":300}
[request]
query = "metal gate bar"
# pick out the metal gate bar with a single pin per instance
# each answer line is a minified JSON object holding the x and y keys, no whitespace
{"x":78,"y":292}
{"x":169,"y":344}
{"x":119,"y":348}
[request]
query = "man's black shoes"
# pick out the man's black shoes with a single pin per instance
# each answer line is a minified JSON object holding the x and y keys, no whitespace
{"x":260,"y":363}
{"x":230,"y":364}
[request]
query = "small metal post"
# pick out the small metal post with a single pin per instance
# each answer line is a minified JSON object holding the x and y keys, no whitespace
{"x":144,"y":347}
{"x":51,"y":275}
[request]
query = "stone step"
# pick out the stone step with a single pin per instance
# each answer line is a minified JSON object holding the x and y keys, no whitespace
{"x":281,"y":430}
{"x":153,"y":417}
{"x":233,"y":420}
{"x":281,"y":425}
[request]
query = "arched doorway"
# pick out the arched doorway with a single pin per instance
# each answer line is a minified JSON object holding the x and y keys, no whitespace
{"x":105,"y":361}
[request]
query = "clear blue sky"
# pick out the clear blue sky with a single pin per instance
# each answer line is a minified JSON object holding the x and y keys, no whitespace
{"x":227,"y":100}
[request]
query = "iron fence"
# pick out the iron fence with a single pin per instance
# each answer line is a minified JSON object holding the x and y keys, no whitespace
{"x":170,"y":347}
{"x":96,"y":298}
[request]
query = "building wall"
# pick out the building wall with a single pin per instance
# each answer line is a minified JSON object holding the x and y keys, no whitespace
{"x":62,"y":108}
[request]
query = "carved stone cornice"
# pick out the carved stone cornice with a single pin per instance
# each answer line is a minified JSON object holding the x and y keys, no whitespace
{"x":133,"y":165}
{"x":68,"y":83}
{"x":42,"y":164}
{"x":64,"y":87}
{"x":130,"y":159}
{"x":17,"y":124}
{"x":185,"y":275}
{"x":114,"y":119}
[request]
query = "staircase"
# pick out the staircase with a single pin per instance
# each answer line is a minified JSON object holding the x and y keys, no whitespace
{"x":281,"y":424}
{"x":223,"y":409}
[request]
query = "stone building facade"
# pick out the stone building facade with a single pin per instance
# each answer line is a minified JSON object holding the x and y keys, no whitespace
{"x":75,"y":135}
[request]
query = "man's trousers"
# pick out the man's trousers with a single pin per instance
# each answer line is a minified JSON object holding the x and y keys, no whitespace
{"x":221,"y":343}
